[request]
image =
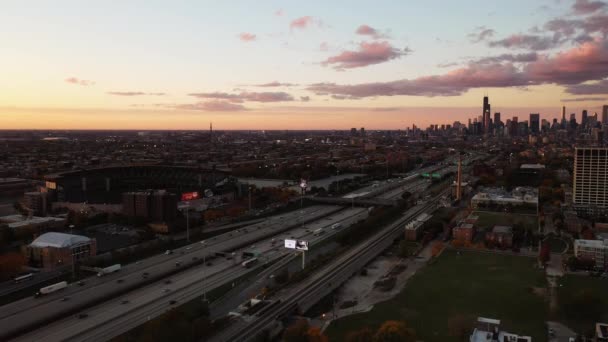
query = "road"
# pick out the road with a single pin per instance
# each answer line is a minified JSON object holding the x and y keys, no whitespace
{"x":28,"y":313}
{"x":305,"y":294}
{"x":112,"y":318}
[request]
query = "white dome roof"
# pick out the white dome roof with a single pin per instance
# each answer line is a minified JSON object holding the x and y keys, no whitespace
{"x":59,"y":240}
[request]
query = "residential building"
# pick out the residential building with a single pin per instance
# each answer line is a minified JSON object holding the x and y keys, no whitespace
{"x":413,"y":229}
{"x":464,"y":232}
{"x":497,"y":198}
{"x":500,"y":236}
{"x":488,"y":330}
{"x":590,"y":181}
{"x":596,"y":250}
{"x":156,"y":206}
{"x":601,"y":332}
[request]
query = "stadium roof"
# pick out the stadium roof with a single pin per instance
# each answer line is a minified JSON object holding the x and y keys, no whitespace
{"x":59,"y":240}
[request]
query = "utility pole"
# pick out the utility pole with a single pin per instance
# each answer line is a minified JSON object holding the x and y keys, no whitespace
{"x":249,"y":193}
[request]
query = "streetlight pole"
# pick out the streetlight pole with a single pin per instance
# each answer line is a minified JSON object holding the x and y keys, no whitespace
{"x":338,"y":180}
{"x":188,"y":221}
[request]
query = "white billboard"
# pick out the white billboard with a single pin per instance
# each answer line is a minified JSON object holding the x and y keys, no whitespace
{"x":291,"y":244}
{"x":302,"y":245}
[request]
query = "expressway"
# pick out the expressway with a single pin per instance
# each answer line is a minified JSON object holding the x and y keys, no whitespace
{"x":23,"y":315}
{"x":305,"y":294}
{"x":129,"y":310}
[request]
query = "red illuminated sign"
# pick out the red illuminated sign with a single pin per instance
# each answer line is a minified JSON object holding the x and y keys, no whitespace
{"x":189,"y":196}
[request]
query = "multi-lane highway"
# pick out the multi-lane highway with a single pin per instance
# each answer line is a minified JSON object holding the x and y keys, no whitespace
{"x":133,"y":308}
{"x":29,"y":313}
{"x":305,"y":294}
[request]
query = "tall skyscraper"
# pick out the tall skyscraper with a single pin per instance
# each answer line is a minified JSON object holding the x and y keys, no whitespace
{"x":497,"y":121}
{"x":486,"y":115}
{"x":590,"y":181}
{"x":584,"y":118}
{"x":534,"y":123}
{"x":563,"y":113}
{"x":605,"y":115}
{"x":513,"y":129}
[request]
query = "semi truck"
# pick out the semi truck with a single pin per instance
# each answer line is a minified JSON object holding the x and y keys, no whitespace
{"x":108,"y":270}
{"x":51,"y":288}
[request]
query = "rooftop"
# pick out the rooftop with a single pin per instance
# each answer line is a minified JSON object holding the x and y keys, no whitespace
{"x":59,"y":240}
{"x":591,"y":243}
{"x":18,"y":220}
{"x":532,"y":166}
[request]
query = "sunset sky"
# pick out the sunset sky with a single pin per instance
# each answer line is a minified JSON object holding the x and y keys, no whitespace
{"x":296,"y":64}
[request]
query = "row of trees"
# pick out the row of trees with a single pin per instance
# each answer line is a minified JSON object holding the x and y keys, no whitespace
{"x":389,"y":331}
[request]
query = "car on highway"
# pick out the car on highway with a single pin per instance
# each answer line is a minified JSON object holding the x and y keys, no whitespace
{"x":166,"y":290}
{"x":188,"y":248}
{"x":168,"y":281}
{"x":80,"y":283}
{"x":82,"y":315}
{"x":168,"y":251}
{"x":209,"y":264}
{"x":178,"y":263}
{"x":145,"y":275}
{"x":65,"y":299}
{"x":124,"y":301}
{"x":171,"y":302}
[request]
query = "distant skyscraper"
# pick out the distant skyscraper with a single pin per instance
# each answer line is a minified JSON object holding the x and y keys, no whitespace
{"x":486,"y":115}
{"x":535,"y":123}
{"x":605,"y":115}
{"x":590,"y":181}
{"x":563,"y":113}
{"x":514,"y":126}
{"x":584,"y":117}
{"x":497,"y":119}
{"x":362,"y":131}
{"x":353,"y":131}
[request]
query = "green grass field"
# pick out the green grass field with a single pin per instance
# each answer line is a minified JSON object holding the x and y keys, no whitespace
{"x":487,"y":220}
{"x":583,"y":301}
{"x":471,"y":284}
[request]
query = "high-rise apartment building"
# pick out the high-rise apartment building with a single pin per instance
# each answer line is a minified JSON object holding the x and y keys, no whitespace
{"x":605,"y":115}
{"x":590,"y":181}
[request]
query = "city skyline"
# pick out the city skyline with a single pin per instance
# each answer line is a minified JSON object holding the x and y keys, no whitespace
{"x":305,"y":66}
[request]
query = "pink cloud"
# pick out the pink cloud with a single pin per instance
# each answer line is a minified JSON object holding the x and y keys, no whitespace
{"x":247,"y":37}
{"x":279,"y":12}
{"x":368,"y":54}
{"x":78,"y":81}
{"x":367,"y":30}
{"x":212,"y":106}
{"x":587,"y":6}
{"x":526,"y":41}
{"x":323,"y":46}
{"x":586,"y":62}
{"x":133,"y":93}
{"x":600,"y":87}
{"x":247,"y":96}
{"x":585,"y":99}
{"x":275,"y":84}
{"x":301,"y":23}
